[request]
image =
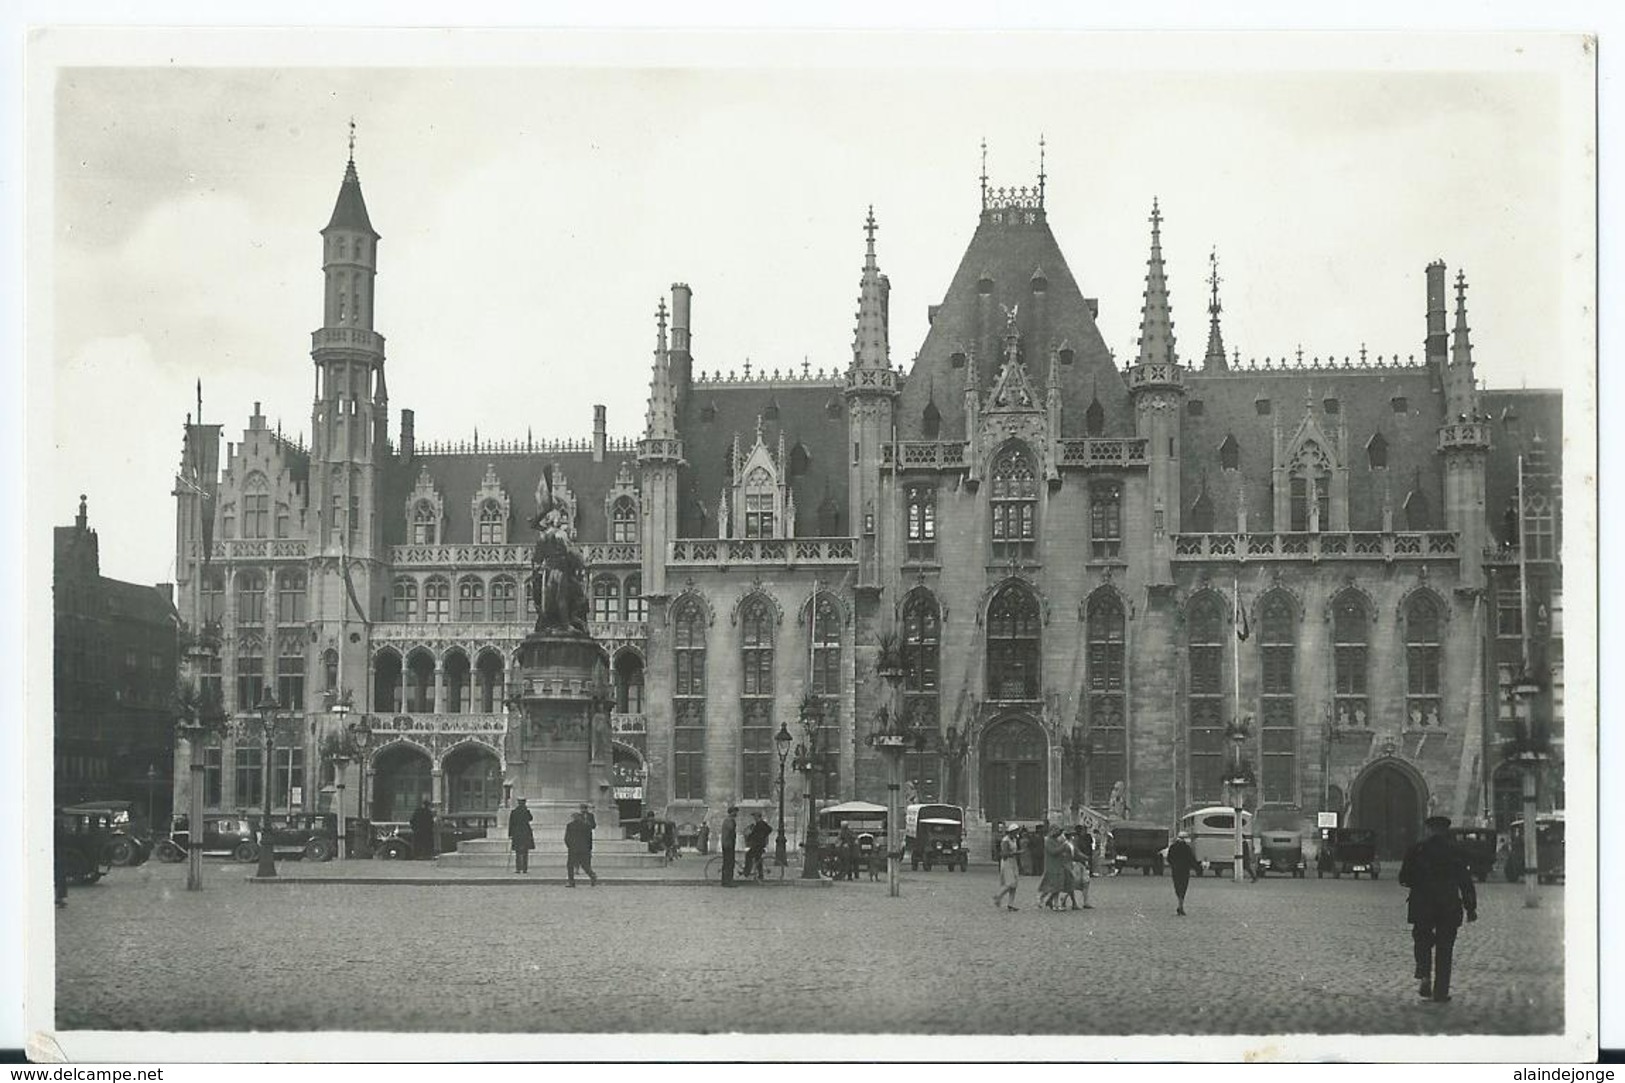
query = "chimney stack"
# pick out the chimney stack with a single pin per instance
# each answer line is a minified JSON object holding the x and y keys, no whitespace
{"x":599,"y":437}
{"x":1437,"y":342}
{"x":408,"y":439}
{"x":681,"y":298}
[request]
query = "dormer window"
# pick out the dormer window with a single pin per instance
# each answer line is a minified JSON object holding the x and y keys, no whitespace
{"x":492,"y":529}
{"x":759,"y":499}
{"x":623,"y":523}
{"x":425,"y":525}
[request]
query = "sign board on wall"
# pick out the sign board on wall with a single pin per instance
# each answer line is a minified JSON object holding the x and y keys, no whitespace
{"x":1326,"y":819}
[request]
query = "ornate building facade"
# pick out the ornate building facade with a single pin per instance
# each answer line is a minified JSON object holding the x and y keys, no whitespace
{"x":1091,"y":569}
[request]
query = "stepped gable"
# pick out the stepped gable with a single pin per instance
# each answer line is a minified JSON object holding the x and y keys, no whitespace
{"x":1515,"y":417}
{"x":1017,"y":257}
{"x":1365,"y":407}
{"x":460,"y":475}
{"x":714,"y":410}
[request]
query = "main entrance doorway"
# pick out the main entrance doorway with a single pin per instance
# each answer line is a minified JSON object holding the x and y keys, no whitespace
{"x":1015,"y":779}
{"x":1387,"y":801}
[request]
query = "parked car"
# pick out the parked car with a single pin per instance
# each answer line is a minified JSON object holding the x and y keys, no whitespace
{"x":936,"y":836}
{"x":1548,"y":849}
{"x":1281,"y":851}
{"x":127,"y":843}
{"x":1348,"y":849}
{"x":1479,"y":844}
{"x":1136,"y":844}
{"x":391,"y":840}
{"x":305,"y":834}
{"x":223,"y":836}
{"x":82,"y":835}
{"x":1213,"y":835}
{"x":456,"y":827}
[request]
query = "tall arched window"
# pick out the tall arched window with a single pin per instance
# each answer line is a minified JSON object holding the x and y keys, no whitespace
{"x":756,"y":698}
{"x":1105,"y":519}
{"x":1205,"y":644}
{"x":491,"y":529}
{"x":425,"y":525}
{"x":250,"y":598}
{"x":826,"y":671}
{"x":623,"y":522}
{"x":405,"y":600}
{"x":290,"y":673}
{"x":290,"y":597}
{"x":1012,"y":645}
{"x":504,"y":599}
{"x":922,"y":667}
{"x":921,"y":502}
{"x":606,"y":598}
{"x":330,"y":670}
{"x":1201,"y":517}
{"x":250,"y":672}
{"x":637,"y":607}
{"x":1310,"y":488}
{"x":1108,"y":763}
{"x":256,"y":506}
{"x":470,"y":599}
{"x":1278,"y":727}
{"x":1422,"y":697}
{"x":1350,"y":634}
{"x":1418,"y":516}
{"x":437,"y":599}
{"x":688,"y":703}
{"x":1014,"y":504}
{"x":213,"y":591}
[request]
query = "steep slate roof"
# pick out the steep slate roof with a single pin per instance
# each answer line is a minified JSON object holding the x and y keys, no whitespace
{"x":1365,"y":403}
{"x":1012,"y":254}
{"x":459,"y":477}
{"x":350,"y":211}
{"x":805,"y":415}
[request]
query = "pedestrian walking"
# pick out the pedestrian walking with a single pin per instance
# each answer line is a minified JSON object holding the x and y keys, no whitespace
{"x":1441,"y":884}
{"x":578,"y":849}
{"x":1009,"y":870}
{"x":668,"y":831}
{"x":1181,"y":860}
{"x":846,"y":847}
{"x":520,"y":837}
{"x":1053,"y":881}
{"x":646,"y":830}
{"x":756,"y":836}
{"x":997,"y":838}
{"x":877,"y":861}
{"x":730,"y":837}
{"x":702,"y":840}
{"x":586,"y":814}
{"x":1077,"y":872}
{"x":422,"y":823}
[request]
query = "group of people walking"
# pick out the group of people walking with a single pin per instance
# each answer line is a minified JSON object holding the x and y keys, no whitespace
{"x":1061,"y":857}
{"x":577,"y":841}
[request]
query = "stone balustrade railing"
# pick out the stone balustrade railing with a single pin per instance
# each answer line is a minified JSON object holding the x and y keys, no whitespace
{"x":1323,"y":545}
{"x":783,"y":552}
{"x":230,"y":549}
{"x":448,"y":722}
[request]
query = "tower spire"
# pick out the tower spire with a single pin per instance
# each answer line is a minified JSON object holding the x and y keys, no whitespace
{"x":660,"y":422}
{"x":1214,"y":360}
{"x":1156,"y":321}
{"x":984,"y":172}
{"x":869,"y":344}
{"x":352,"y":141}
{"x":1461,"y":349}
{"x":1041,"y":177}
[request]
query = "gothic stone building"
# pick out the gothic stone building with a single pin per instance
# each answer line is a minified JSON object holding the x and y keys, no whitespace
{"x":1069,"y":551}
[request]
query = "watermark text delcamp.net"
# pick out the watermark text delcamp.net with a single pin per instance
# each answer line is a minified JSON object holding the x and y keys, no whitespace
{"x":89,"y":1075}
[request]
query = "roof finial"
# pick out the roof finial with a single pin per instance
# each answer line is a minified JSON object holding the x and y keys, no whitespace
{"x":1156,"y":220}
{"x":869,"y":228}
{"x":1041,"y":177}
{"x":1213,"y":281}
{"x":984,"y":172}
{"x":1214,"y":360}
{"x":352,"y":140}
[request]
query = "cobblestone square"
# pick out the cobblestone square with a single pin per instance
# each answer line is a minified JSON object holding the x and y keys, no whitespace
{"x":137,"y":951}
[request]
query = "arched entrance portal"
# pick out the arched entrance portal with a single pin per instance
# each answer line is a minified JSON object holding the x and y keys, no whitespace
{"x":1390,"y":801}
{"x":473,"y":780}
{"x":629,"y":783}
{"x":1015,"y":779}
{"x":401,"y":782}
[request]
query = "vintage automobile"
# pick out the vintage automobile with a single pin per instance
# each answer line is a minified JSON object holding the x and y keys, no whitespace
{"x":867,"y":822}
{"x":305,"y":834}
{"x":126,"y":844}
{"x":392,"y":840}
{"x":1348,"y":849}
{"x":936,"y":836}
{"x":1479,"y":844}
{"x":455,"y":827}
{"x":1213,"y":836}
{"x":223,"y":836}
{"x":1548,"y":849}
{"x":1137,"y":844}
{"x":82,"y":835}
{"x":1281,"y":851}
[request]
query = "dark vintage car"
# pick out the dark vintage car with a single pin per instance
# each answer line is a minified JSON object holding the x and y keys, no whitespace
{"x":1548,"y":850}
{"x":223,"y":836}
{"x":1479,"y":844}
{"x":127,"y":845}
{"x":1282,"y":852}
{"x":1136,"y":844}
{"x":304,"y":834}
{"x":936,"y":836}
{"x":455,"y":827}
{"x":82,"y":835}
{"x":1348,"y":849}
{"x":391,"y":840}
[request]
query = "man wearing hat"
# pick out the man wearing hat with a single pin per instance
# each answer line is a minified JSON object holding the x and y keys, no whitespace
{"x":1441,"y":884}
{"x":1181,"y":861}
{"x":730,"y":838}
{"x":520,"y":836}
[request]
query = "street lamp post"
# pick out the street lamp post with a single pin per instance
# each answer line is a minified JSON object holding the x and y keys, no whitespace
{"x":806,"y":762}
{"x":1530,"y":753}
{"x":341,"y":764}
{"x":893,"y":738}
{"x":1238,"y":782}
{"x":152,"y":779}
{"x":193,"y":729}
{"x":267,"y":708}
{"x":782,"y":740}
{"x":361,"y":733}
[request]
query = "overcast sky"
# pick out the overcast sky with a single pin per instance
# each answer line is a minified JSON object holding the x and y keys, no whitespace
{"x":532,"y":217}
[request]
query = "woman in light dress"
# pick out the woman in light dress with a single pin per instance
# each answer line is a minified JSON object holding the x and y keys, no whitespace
{"x":1009,"y":870}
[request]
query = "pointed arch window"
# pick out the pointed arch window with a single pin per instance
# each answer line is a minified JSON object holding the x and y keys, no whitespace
{"x":290,"y":673}
{"x":250,"y":672}
{"x":1202,"y":514}
{"x":1230,"y":453}
{"x":1540,"y":526}
{"x":470,"y":599}
{"x":756,"y":699}
{"x":800,"y":461}
{"x":1013,"y":645}
{"x":404,"y":599}
{"x":1422,"y":663}
{"x":1105,"y":519}
{"x":920,"y":502}
{"x":606,"y":598}
{"x":825,"y":680}
{"x":829,"y":518}
{"x":290,"y":597}
{"x":504,"y":599}
{"x":688,"y":703}
{"x":425,"y":524}
{"x":1310,"y":488}
{"x":1108,"y":762}
{"x":250,"y":598}
{"x":1351,"y":626}
{"x":256,"y":506}
{"x":623,"y":521}
{"x":1278,"y":726}
{"x":931,"y":421}
{"x":637,"y":608}
{"x":1205,"y":699}
{"x":437,"y":600}
{"x":1376,"y":452}
{"x":492,"y":528}
{"x":759,"y":503}
{"x":922,"y":647}
{"x":1418,"y":516}
{"x":1014,"y":504}
{"x":213,"y":597}
{"x":1094,"y":419}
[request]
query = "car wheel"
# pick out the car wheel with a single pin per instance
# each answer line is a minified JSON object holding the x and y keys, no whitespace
{"x":392,"y":851}
{"x":120,"y":851}
{"x":319,"y":850}
{"x":245,"y":853}
{"x":167,"y":852}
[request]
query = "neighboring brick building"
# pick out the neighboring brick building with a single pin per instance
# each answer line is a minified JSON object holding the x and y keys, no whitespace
{"x":1059,"y":542}
{"x":114,"y":679}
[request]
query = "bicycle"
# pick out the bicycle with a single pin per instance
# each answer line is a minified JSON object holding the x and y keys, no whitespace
{"x":713,"y":869}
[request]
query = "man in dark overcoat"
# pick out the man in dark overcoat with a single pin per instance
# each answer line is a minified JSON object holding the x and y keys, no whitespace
{"x":578,"y":849}
{"x":730,"y":839}
{"x":520,"y":836}
{"x":1441,"y":884}
{"x":1181,"y":862}
{"x":423,"y":832}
